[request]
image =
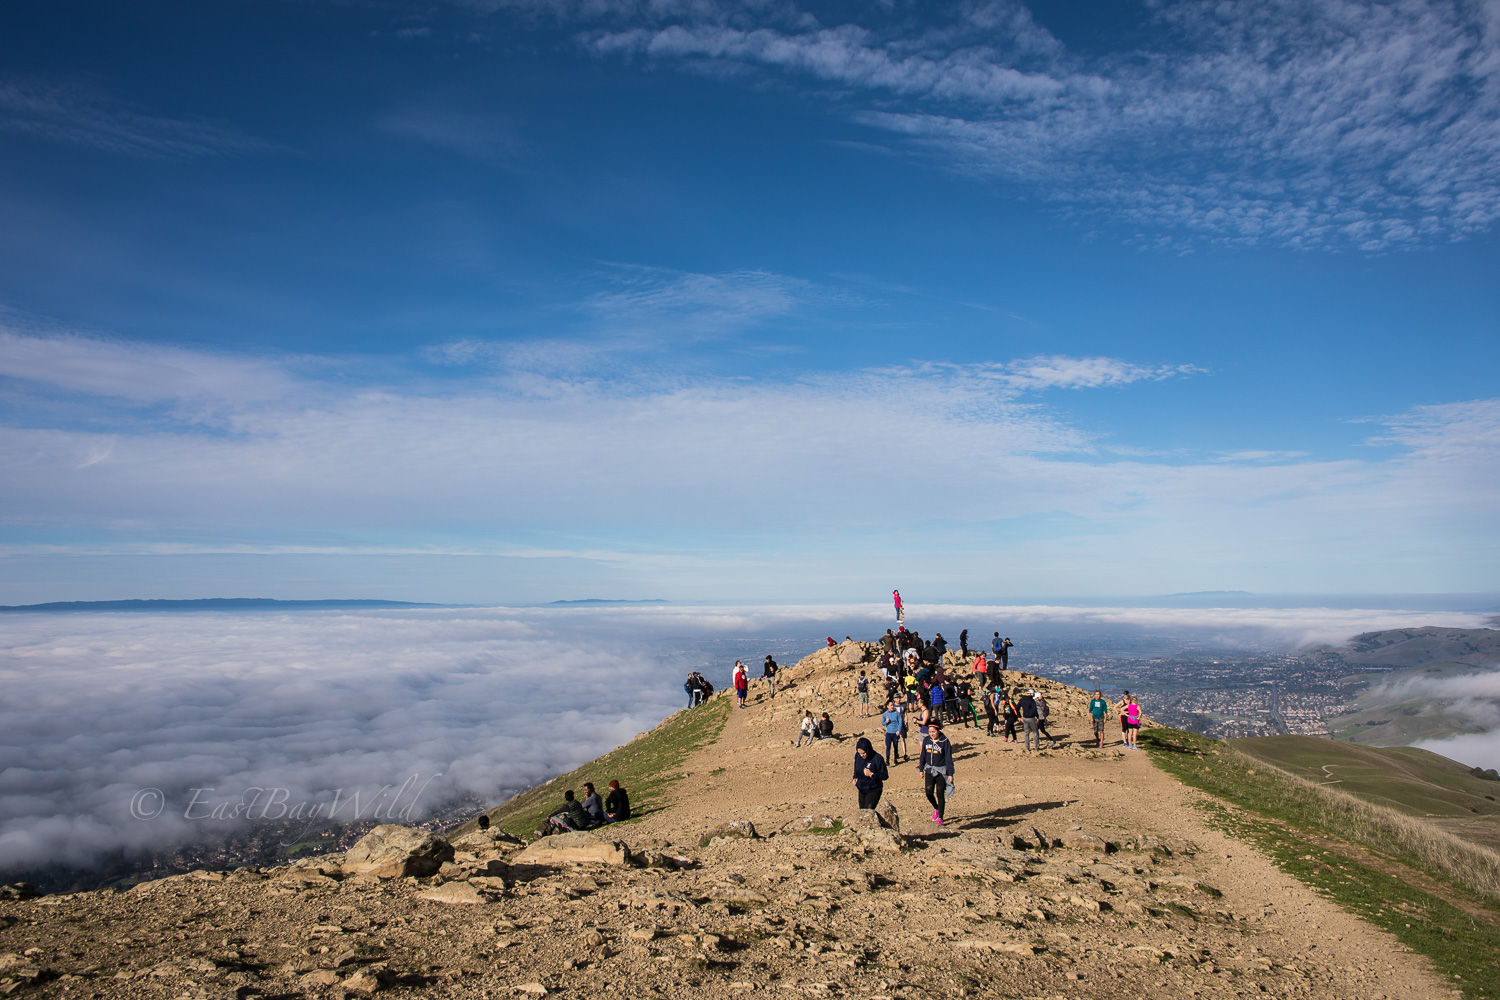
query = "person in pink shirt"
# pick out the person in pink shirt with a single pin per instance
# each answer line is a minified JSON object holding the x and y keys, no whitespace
{"x":1132,"y":722}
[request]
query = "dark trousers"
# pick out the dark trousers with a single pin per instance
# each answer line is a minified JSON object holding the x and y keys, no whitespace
{"x":1010,"y":727}
{"x":990,"y":719}
{"x":892,"y":741}
{"x":937,"y":792}
{"x":870,"y":799}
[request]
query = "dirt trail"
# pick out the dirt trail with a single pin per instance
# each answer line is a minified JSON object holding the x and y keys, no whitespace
{"x":1265,"y":932}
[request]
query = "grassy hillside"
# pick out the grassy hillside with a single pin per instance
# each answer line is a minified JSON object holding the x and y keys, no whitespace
{"x":1416,"y":782}
{"x":645,"y":767}
{"x":1413,"y":647}
{"x":1437,"y":896}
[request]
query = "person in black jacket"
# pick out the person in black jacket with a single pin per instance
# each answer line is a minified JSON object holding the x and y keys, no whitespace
{"x":936,"y":764}
{"x":869,"y":774}
{"x":616,"y":804}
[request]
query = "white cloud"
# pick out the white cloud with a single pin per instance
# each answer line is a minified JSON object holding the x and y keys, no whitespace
{"x":81,"y":116}
{"x":98,"y":706}
{"x":255,"y":452}
{"x":1362,"y":124}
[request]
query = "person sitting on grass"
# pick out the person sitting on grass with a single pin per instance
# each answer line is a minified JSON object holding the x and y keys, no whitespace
{"x":570,"y":817}
{"x":616,"y":804}
{"x":593,"y":805}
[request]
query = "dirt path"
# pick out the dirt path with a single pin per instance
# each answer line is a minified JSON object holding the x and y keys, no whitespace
{"x":1250,"y":927}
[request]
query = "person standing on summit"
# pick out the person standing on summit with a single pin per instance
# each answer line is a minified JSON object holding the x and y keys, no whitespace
{"x":900,"y":608}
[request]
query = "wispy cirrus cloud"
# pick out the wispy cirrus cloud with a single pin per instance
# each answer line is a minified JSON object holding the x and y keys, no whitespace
{"x":1357,"y":123}
{"x":82,"y":116}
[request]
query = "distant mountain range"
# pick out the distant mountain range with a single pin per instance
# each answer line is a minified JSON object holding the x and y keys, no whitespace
{"x":209,"y":604}
{"x":601,"y":600}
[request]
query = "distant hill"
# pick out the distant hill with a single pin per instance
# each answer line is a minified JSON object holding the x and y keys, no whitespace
{"x":1415,"y":782}
{"x":1404,"y":648}
{"x":601,"y":600}
{"x":209,"y":604}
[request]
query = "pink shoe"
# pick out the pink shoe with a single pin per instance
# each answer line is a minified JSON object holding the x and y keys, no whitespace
{"x":936,"y":818}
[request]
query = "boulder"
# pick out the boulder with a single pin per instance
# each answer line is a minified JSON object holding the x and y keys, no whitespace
{"x":879,"y":838}
{"x":397,"y":852}
{"x":578,"y":848}
{"x":851,"y":654}
{"x":889,"y":817}
{"x":1075,"y":840}
{"x":486,"y":840}
{"x":735,"y":829}
{"x":809,"y":824}
{"x":461,"y":893}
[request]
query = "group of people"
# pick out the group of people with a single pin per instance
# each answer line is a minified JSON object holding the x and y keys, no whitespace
{"x":698,"y":689}
{"x":592,"y":811}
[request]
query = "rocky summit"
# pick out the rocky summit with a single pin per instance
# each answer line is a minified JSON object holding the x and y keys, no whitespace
{"x":1070,"y":873}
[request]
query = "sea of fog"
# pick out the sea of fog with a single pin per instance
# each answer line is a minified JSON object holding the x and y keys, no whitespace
{"x":144,"y":731}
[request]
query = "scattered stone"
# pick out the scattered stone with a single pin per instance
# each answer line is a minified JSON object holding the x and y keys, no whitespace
{"x":578,"y":848}
{"x":461,"y":893}
{"x":735,"y":829}
{"x":807,"y":824}
{"x":370,"y":979}
{"x":397,"y":852}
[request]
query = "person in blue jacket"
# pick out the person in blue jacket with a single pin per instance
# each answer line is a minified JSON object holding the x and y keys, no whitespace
{"x":869,"y":774}
{"x":894,"y":721}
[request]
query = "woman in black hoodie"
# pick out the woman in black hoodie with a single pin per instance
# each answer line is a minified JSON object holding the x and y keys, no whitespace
{"x":869,"y":774}
{"x":936,"y":765}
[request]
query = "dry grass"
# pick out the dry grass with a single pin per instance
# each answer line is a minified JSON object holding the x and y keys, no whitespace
{"x":1475,"y":867}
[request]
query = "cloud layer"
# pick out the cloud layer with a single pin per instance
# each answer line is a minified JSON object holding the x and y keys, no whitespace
{"x":1341,"y":123}
{"x":96,"y":708}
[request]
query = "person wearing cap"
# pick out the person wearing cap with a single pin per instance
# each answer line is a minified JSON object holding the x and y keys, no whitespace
{"x":935,"y":762}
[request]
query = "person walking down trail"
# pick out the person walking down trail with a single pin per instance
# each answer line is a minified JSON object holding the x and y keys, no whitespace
{"x":769,"y":673}
{"x":869,"y":774}
{"x":894,"y":721}
{"x":1098,"y":709}
{"x":991,"y":717}
{"x":1124,"y":720}
{"x":809,"y":730}
{"x":741,"y":683}
{"x":1011,"y":714}
{"x":1029,"y":719}
{"x":1132,"y":723}
{"x":862,"y":688}
{"x":1042,"y":712}
{"x":936,"y":765}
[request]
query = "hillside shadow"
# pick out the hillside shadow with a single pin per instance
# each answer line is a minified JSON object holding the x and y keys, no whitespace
{"x":1010,"y":815}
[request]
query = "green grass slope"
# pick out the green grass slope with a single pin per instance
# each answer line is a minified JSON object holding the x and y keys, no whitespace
{"x":1442,"y":907}
{"x":1412,"y":781}
{"x":645,"y":767}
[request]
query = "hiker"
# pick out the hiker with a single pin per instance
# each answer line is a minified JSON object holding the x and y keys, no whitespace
{"x":593,"y":805}
{"x":1005,"y":645}
{"x":741,"y":683}
{"x":809,"y":730}
{"x":966,"y":704}
{"x":991,"y":718}
{"x":1124,"y":721}
{"x":894,"y":721}
{"x":1042,"y":711}
{"x":900,"y":608}
{"x":1132,"y":723}
{"x":571,"y":816}
{"x":831,"y":643}
{"x":981,"y":671}
{"x":692,"y":689}
{"x":769,"y":673}
{"x":939,"y":644}
{"x":936,"y":698}
{"x":963,"y":644}
{"x":950,"y":700}
{"x":936,"y":765}
{"x":1027,"y":706}
{"x":869,"y":774}
{"x":1098,"y":709}
{"x":1010,"y":713}
{"x":825,"y":728}
{"x":617,"y":804}
{"x":862,"y":688}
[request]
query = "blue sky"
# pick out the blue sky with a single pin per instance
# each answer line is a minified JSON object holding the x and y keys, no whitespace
{"x":514,"y":301}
